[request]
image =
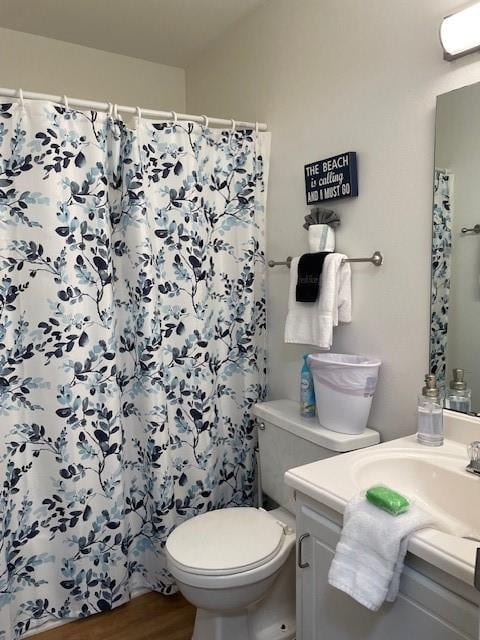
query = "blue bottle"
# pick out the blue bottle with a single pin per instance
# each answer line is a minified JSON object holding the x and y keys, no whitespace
{"x":307,"y":391}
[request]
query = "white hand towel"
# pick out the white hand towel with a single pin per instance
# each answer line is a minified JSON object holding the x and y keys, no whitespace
{"x":344,"y":301}
{"x":369,"y":557}
{"x":313,"y":322}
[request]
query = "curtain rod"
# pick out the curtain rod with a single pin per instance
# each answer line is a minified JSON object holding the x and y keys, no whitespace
{"x":149,"y":113}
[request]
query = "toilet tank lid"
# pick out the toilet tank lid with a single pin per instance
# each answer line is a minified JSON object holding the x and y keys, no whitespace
{"x":286,"y":415}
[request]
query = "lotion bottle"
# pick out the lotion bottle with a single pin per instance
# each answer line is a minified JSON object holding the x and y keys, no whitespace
{"x":430,"y":414}
{"x":459,"y":395}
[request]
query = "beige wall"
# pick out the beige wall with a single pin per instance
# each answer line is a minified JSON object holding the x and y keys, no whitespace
{"x":50,"y":66}
{"x":331,"y":76}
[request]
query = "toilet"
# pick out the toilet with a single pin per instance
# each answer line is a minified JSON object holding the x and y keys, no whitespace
{"x":237,"y":565}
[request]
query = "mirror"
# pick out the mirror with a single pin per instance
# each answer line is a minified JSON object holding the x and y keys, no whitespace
{"x":455,"y":300}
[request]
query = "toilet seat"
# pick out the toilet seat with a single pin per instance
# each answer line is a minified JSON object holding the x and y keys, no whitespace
{"x":225,"y":542}
{"x":220,"y":577}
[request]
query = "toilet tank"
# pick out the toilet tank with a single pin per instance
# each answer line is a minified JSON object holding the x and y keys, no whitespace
{"x":286,"y":440}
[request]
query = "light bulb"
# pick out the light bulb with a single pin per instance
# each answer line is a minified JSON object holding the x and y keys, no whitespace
{"x":460,"y":32}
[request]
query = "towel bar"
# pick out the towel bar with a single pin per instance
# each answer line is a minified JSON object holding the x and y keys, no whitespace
{"x":475,"y":229}
{"x":376,"y":259}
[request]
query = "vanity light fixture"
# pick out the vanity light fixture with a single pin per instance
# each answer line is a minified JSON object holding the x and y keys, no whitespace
{"x":460,"y":32}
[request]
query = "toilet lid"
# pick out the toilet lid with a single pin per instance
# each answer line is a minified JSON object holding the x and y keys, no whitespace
{"x":225,"y":541}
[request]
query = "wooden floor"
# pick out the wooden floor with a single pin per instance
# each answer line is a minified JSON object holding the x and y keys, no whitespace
{"x":148,"y":617}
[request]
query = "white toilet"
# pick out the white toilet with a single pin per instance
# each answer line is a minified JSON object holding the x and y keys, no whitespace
{"x":237,"y":565}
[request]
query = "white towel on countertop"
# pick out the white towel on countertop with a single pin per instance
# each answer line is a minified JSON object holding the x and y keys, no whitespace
{"x":313,"y":322}
{"x":369,"y":557}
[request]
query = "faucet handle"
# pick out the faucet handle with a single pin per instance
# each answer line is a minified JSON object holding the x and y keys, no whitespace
{"x":474,"y":456}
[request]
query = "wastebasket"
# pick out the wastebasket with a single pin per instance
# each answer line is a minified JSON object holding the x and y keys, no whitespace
{"x":344,"y":388}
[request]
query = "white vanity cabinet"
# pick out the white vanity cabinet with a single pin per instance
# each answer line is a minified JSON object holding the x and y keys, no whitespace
{"x":431,"y":605}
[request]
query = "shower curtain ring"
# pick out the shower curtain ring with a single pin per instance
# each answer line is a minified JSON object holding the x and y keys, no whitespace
{"x":205,"y":119}
{"x":20,"y":97}
{"x":65,"y":102}
{"x":256,"y":127}
{"x":174,"y":116}
{"x":139,"y":114}
{"x":115,"y":111}
{"x":233,"y":125}
{"x":109,"y":109}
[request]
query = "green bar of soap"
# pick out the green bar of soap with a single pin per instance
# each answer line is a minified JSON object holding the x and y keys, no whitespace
{"x":388,"y":500}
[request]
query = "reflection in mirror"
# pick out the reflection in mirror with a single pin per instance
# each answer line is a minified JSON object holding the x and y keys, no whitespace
{"x":455,"y":313}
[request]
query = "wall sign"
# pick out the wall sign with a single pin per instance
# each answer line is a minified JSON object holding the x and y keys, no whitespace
{"x":332,"y":178}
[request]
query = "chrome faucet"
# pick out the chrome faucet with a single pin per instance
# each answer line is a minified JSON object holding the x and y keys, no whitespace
{"x":474,"y":455}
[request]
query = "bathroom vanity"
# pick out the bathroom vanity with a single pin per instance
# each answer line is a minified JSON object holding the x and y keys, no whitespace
{"x":437,"y":599}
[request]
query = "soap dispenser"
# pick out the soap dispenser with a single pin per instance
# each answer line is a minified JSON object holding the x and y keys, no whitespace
{"x":459,"y":395}
{"x":430,"y":414}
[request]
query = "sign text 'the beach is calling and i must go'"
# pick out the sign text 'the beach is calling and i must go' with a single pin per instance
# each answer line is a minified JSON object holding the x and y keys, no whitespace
{"x":332,"y":178}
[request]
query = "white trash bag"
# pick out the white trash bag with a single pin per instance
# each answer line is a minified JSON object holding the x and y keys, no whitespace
{"x":344,"y":388}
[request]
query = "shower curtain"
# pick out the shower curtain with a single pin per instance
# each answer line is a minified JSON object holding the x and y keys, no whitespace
{"x":132,"y":321}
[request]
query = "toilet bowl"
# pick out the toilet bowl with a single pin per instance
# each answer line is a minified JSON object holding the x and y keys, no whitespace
{"x":236,"y":565}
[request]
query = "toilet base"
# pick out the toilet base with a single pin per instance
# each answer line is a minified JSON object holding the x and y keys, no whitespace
{"x":209,"y":625}
{"x":239,"y":625}
{"x":271,"y":618}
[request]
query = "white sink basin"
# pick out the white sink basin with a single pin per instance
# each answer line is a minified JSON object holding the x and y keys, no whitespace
{"x":434,"y":477}
{"x":434,"y":482}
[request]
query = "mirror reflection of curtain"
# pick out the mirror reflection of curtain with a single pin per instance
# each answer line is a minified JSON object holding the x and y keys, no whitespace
{"x":441,"y":267}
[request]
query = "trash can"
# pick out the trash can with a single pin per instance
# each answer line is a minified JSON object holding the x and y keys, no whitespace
{"x":344,"y":388}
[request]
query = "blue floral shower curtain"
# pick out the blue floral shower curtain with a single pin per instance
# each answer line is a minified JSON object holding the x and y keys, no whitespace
{"x":132,"y":318}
